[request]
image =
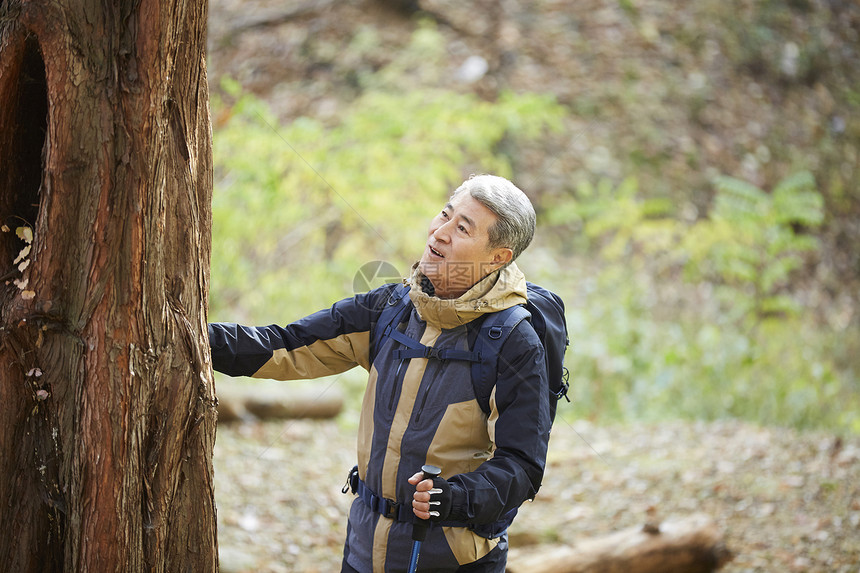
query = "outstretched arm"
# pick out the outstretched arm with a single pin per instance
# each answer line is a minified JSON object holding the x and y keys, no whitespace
{"x":327,"y":342}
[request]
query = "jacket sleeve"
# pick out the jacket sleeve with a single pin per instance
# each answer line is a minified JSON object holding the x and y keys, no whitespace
{"x":519,"y":423}
{"x":327,"y":342}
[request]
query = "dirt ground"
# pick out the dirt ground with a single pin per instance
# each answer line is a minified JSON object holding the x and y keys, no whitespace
{"x":785,"y":500}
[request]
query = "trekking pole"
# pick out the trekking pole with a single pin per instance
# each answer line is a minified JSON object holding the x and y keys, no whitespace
{"x":419,"y":529}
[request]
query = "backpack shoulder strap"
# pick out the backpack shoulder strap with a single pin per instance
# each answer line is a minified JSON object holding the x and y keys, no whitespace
{"x":396,"y":305}
{"x":488,"y":345}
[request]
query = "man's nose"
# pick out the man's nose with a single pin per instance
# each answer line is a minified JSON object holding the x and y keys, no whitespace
{"x":442,"y":233}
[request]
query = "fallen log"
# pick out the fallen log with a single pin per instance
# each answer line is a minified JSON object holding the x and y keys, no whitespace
{"x":690,"y":545}
{"x":295,"y":406}
{"x":267,"y":401}
{"x":277,"y":16}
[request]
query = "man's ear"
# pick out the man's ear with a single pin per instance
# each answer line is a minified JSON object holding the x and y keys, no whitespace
{"x":502,"y":256}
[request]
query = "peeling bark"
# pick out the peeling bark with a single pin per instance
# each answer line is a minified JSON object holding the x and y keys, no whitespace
{"x":107,"y":405}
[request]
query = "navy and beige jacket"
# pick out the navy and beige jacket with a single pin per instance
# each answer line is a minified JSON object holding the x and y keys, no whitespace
{"x":419,"y":411}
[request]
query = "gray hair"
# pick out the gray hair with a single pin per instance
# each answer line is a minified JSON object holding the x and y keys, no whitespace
{"x":515,"y":223}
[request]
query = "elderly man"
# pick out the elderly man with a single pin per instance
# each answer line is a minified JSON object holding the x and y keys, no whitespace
{"x":421,"y":407}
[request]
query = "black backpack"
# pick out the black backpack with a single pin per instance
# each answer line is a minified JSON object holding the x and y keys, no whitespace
{"x":544,"y":310}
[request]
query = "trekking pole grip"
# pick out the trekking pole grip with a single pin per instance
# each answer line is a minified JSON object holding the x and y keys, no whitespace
{"x":419,"y":528}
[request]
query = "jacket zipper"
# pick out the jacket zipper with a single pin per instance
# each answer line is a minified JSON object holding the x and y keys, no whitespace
{"x":429,"y":376}
{"x":395,"y":385}
{"x":421,"y":406}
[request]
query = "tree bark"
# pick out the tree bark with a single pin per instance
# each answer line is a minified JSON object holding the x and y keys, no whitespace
{"x":107,"y":404}
{"x":690,"y":545}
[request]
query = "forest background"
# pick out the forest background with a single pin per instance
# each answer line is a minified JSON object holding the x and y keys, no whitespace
{"x":694,"y":167}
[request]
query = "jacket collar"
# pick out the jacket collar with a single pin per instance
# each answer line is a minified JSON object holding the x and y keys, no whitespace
{"x":497,"y":291}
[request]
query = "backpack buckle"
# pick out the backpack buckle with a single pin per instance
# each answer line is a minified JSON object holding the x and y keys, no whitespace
{"x":431,"y":352}
{"x":495,"y":332}
{"x":390,"y":509}
{"x":562,"y":393}
{"x":565,"y":385}
{"x":351,"y":484}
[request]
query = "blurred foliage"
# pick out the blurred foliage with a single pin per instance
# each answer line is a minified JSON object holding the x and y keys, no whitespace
{"x":799,"y":58}
{"x":749,"y":245}
{"x":313,"y":202}
{"x":674,"y":309}
{"x":629,"y":364}
{"x":697,"y":319}
{"x":766,"y":40}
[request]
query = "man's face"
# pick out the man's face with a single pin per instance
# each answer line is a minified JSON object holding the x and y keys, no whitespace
{"x":457,"y":254}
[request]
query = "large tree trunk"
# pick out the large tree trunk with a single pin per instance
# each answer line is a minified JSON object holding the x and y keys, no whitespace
{"x":107,"y":406}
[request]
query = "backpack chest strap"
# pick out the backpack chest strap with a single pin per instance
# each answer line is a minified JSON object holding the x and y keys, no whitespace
{"x":415,"y":349}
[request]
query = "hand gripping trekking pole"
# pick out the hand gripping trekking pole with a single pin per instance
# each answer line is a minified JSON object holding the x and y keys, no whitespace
{"x":419,"y":529}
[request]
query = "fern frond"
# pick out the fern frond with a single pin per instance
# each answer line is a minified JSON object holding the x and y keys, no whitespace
{"x":780,"y":305}
{"x":795,"y":205}
{"x":800,"y":181}
{"x":777,"y":272}
{"x":737,"y":199}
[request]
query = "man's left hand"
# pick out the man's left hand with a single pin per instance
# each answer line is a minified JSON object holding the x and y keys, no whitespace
{"x":432,"y":498}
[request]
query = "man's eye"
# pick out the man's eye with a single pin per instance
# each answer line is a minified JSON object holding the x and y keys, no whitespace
{"x":444,"y":214}
{"x":462,"y":228}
